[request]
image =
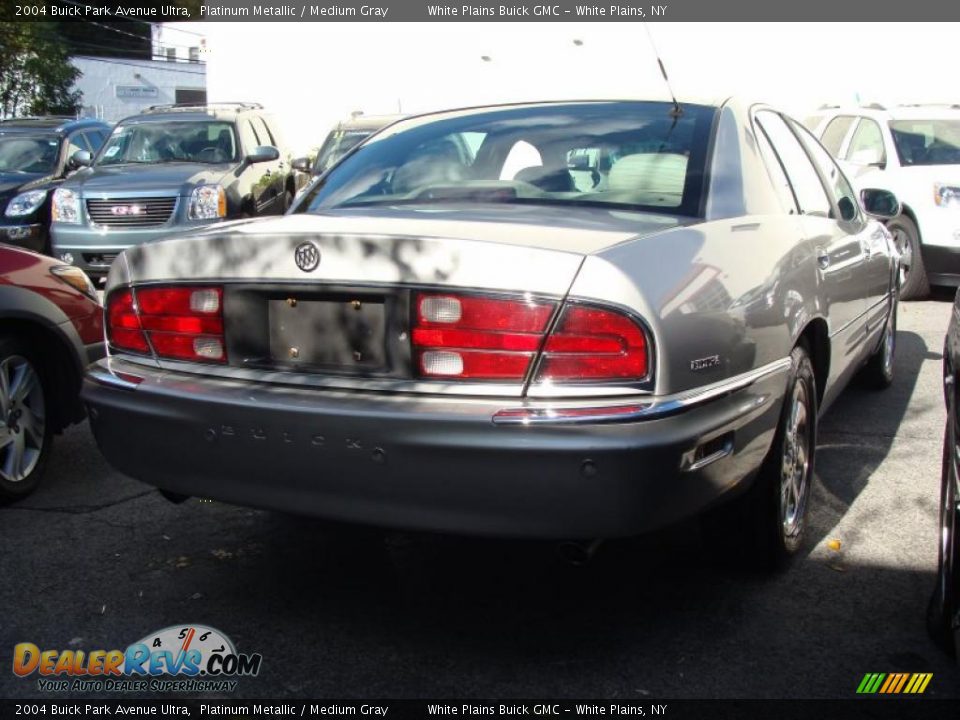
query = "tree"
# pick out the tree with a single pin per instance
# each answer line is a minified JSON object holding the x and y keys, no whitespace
{"x":36,"y":77}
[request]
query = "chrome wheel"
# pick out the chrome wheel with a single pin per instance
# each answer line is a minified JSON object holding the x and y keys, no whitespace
{"x":889,"y":343}
{"x":948,"y":534}
{"x":901,"y":240}
{"x":22,"y":418}
{"x":795,"y":465}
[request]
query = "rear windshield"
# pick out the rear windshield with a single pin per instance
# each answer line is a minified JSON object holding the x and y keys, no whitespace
{"x":338,"y":144}
{"x":927,"y":142}
{"x":34,"y":155}
{"x":633,"y":155}
{"x":163,"y":142}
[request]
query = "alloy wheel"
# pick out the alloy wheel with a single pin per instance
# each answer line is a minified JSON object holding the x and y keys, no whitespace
{"x":795,"y":465}
{"x":901,"y":240}
{"x":22,"y":420}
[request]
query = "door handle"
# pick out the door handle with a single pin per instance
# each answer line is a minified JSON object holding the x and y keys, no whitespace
{"x":823,"y":259}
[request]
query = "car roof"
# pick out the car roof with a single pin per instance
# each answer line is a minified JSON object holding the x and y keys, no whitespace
{"x":195,"y":112}
{"x":369,"y":122}
{"x":49,"y":123}
{"x":896,"y":112}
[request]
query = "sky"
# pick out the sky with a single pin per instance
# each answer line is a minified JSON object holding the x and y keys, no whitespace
{"x":314,"y":74}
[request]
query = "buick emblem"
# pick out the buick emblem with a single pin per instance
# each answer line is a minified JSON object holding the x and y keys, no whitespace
{"x":307,"y":256}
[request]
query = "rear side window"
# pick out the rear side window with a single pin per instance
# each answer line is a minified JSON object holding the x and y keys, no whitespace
{"x":836,"y":131}
{"x":803,"y":177}
{"x":866,"y":145}
{"x":777,"y":175}
{"x":839,"y":188}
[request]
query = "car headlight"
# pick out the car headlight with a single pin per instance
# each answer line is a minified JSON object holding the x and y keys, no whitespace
{"x":26,"y":203}
{"x":76,"y":278}
{"x":946,"y":195}
{"x":207,"y":202}
{"x":66,"y":206}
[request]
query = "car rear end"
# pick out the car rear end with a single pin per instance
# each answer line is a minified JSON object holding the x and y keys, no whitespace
{"x":493,"y":404}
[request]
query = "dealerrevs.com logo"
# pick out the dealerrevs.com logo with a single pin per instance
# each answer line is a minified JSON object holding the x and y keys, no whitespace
{"x":179,"y":658}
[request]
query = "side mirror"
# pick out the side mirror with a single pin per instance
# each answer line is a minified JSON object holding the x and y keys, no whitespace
{"x":848,"y":211}
{"x":263,"y":153}
{"x":302,"y":164}
{"x":81,"y":158}
{"x":881,"y":204}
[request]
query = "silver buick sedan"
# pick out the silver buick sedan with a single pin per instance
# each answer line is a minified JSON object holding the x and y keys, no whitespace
{"x":571,"y":320}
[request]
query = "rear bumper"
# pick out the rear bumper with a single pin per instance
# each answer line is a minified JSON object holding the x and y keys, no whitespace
{"x":437,"y":464}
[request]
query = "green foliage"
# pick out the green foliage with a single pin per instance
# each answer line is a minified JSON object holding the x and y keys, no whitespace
{"x":36,"y":77}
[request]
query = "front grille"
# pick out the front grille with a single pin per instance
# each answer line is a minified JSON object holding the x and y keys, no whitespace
{"x":131,"y":212}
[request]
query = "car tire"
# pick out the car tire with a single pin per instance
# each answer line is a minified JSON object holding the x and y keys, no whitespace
{"x":752,"y":528}
{"x":25,"y":434}
{"x":878,"y":372}
{"x":943,"y":611}
{"x":913,"y":273}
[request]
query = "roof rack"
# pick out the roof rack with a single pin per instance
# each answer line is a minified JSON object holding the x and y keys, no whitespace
{"x":230,"y":105}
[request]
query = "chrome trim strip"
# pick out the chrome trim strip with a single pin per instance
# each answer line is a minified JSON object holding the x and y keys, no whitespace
{"x":645,"y":410}
{"x":727,"y":449}
{"x":99,"y":375}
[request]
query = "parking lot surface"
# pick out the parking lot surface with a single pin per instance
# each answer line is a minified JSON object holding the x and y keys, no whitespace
{"x":95,"y":560}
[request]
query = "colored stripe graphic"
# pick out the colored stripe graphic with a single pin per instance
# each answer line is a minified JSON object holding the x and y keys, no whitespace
{"x":894,"y":683}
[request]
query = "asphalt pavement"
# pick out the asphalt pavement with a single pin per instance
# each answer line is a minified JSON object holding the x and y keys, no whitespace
{"x":95,"y":560}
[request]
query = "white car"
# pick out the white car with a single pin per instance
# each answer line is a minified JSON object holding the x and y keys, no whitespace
{"x":913,"y":151}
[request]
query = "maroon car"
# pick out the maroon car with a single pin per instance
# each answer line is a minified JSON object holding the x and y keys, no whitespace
{"x":51,"y":327}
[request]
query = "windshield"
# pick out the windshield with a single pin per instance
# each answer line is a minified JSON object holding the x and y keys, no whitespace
{"x":178,"y":141}
{"x":635,"y":155}
{"x":927,"y":142}
{"x":338,"y":144}
{"x":35,"y":155}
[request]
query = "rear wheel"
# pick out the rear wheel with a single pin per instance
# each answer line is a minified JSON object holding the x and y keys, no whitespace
{"x":25,"y":436}
{"x":943,"y":620}
{"x":878,"y":372}
{"x":765,"y":527}
{"x":913,"y":274}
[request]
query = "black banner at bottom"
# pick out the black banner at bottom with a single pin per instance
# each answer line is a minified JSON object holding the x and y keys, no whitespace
{"x":880,"y":708}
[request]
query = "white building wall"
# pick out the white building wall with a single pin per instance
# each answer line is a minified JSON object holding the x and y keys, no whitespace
{"x":110,"y":86}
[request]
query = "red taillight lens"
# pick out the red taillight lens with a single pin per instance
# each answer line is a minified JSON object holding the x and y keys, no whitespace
{"x":594,"y":344}
{"x":123,"y":325}
{"x":482,"y":338}
{"x":477,"y":338}
{"x":182,"y":323}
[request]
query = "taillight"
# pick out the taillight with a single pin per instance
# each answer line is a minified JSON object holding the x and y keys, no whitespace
{"x":592,"y":343}
{"x":181,"y":323}
{"x":481,"y":338}
{"x":477,"y":338}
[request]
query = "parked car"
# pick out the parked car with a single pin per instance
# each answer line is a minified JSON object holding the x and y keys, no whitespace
{"x":943,"y":614}
{"x":51,"y":328}
{"x":342,"y":139}
{"x":35,"y":157}
{"x":913,"y":151}
{"x":472,"y":344}
{"x":170,"y":168}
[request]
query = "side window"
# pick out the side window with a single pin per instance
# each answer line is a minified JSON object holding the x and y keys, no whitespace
{"x":836,"y":131}
{"x":248,"y":136}
{"x":95,"y":139}
{"x":260,"y":127}
{"x":866,"y":145}
{"x":777,"y":175}
{"x":811,"y":197}
{"x":76,"y":142}
{"x":843,"y":195}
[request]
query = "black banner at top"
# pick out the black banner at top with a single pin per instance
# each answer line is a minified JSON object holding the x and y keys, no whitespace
{"x":853,"y":11}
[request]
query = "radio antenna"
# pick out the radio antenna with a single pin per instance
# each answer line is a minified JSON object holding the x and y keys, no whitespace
{"x":677,"y":111}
